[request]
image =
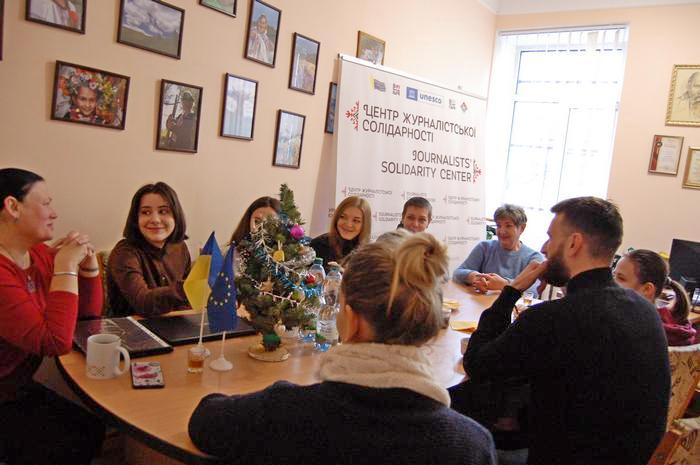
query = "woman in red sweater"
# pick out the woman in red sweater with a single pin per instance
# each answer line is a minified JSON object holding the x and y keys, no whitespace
{"x":42,"y":291}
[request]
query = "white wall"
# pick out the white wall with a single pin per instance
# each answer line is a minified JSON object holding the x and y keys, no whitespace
{"x":93,"y":172}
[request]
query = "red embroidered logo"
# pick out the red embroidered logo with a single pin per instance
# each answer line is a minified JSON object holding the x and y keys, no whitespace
{"x":353,"y":114}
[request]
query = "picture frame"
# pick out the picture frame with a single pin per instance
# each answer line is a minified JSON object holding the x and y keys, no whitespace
{"x":370,"y":48}
{"x":227,"y":7}
{"x":684,"y":97}
{"x":302,"y":72}
{"x":263,"y":31}
{"x":665,"y":155}
{"x":179,"y":113}
{"x":331,"y":107}
{"x":691,"y":178}
{"x":89,"y":96}
{"x":238,"y":110}
{"x":289,"y":139}
{"x":63,"y":14}
{"x":158,"y":29}
{"x":2,"y":24}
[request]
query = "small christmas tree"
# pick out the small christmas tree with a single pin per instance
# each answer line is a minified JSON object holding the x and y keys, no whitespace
{"x":273,"y":283}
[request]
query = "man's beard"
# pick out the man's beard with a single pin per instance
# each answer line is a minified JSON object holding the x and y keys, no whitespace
{"x":556,"y":273}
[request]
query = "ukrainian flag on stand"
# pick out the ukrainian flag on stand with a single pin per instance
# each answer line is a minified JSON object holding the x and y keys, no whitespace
{"x":211,"y":248}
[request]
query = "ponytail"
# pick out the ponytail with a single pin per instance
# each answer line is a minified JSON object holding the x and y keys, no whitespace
{"x":395,"y":286}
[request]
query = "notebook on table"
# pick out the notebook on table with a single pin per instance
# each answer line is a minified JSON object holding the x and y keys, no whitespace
{"x":136,"y":338}
{"x":184,"y":329}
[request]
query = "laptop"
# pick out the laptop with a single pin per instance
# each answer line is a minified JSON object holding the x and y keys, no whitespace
{"x":136,"y":338}
{"x":184,"y":329}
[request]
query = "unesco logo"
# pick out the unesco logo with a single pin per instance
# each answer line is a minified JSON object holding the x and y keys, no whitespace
{"x":411,"y":93}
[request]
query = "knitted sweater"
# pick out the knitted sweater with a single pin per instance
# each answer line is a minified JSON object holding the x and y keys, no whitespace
{"x":36,"y":322}
{"x":374,"y":416}
{"x":598,"y":368}
{"x":145,"y":280}
{"x":490,"y":257}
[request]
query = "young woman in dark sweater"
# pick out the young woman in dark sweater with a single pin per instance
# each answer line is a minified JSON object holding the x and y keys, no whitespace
{"x":351,"y":226}
{"x":377,"y":401}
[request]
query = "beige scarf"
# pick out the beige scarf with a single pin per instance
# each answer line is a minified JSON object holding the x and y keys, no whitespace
{"x":382,"y":366}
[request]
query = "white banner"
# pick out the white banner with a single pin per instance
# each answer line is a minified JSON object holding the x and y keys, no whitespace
{"x":399,"y":137}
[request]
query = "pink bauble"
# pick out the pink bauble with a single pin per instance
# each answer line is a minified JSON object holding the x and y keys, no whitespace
{"x":297,"y":232}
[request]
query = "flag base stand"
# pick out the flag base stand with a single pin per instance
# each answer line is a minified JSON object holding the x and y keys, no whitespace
{"x":258,"y":352}
{"x":221,"y":364}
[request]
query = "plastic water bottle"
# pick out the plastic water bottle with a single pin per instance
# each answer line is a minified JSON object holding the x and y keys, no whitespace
{"x":318,"y":273}
{"x":308,"y":332}
{"x":326,"y":327}
{"x":331,"y":286}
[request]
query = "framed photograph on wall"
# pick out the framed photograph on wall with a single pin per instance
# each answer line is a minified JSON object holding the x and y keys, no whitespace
{"x":238,"y":114}
{"x":370,"y":48}
{"x":691,"y":178}
{"x":66,"y":14}
{"x":665,"y":154}
{"x":330,"y":107}
{"x":178,"y":116}
{"x":2,"y":22}
{"x":224,"y":6}
{"x":263,"y":31}
{"x":151,"y":25}
{"x":302,"y":75}
{"x":684,"y":99}
{"x":89,"y":96}
{"x":290,"y":135}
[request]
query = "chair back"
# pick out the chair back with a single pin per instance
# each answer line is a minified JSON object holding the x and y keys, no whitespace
{"x":685,"y":375}
{"x":680,"y":445}
{"x":102,"y":258}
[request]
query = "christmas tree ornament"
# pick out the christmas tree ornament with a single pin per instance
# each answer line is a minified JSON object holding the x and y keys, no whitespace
{"x":278,"y":256}
{"x":297,"y":232}
{"x":267,"y":285}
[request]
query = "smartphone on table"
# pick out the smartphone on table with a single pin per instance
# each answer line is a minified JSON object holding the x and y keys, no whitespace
{"x":146,"y":375}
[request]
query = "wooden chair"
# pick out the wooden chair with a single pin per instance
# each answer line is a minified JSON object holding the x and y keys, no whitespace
{"x":681,"y":444}
{"x":102,"y":258}
{"x":685,"y":375}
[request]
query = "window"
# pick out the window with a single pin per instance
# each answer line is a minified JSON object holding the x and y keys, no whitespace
{"x":552,"y":112}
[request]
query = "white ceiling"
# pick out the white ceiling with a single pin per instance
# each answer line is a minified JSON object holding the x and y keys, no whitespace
{"x":515,"y":7}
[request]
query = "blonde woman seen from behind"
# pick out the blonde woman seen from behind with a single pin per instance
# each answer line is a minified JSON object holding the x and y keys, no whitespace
{"x":378,"y":398}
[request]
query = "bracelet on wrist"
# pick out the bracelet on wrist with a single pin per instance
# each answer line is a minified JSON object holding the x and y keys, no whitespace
{"x":89,"y":270}
{"x":66,"y":273}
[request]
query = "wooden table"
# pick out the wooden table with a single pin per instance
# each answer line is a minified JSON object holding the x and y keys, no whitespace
{"x":159,"y":417}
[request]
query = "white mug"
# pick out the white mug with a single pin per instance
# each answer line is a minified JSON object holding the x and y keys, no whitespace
{"x":103,"y":356}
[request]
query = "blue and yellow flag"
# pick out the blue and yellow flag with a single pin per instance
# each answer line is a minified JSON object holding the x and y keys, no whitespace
{"x":221,"y":308}
{"x":211,"y":248}
{"x":196,"y":285}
